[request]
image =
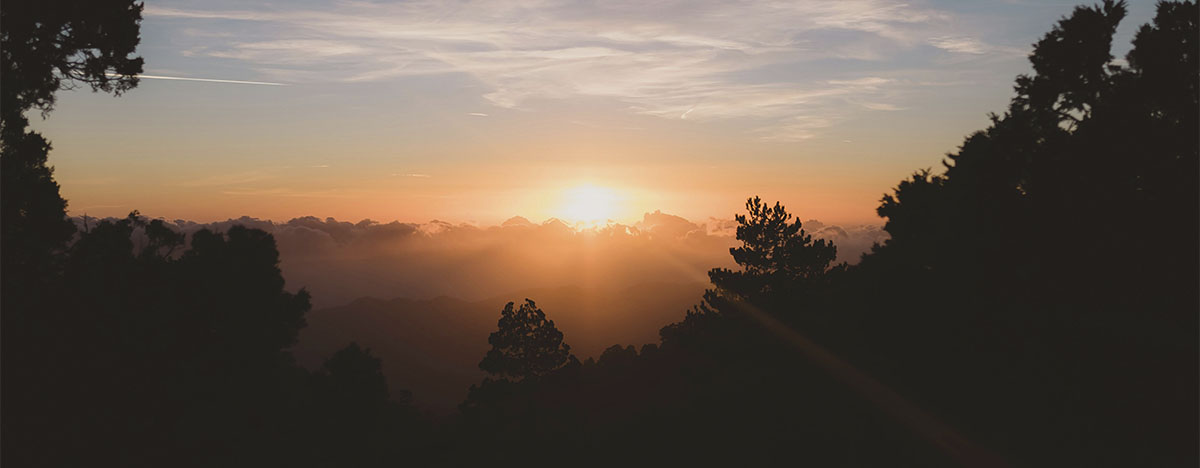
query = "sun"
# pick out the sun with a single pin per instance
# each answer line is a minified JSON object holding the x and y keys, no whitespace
{"x":589,"y":203}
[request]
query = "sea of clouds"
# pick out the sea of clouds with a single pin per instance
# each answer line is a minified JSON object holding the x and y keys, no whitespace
{"x":339,"y":261}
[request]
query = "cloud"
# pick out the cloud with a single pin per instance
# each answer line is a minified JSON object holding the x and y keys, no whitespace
{"x":228,"y":179}
{"x":91,"y":207}
{"x":678,"y":60}
{"x":287,"y":192}
{"x":419,"y":176}
{"x":962,"y":45}
{"x":798,"y":128}
{"x":339,"y":261}
{"x":869,"y":82}
{"x":881,"y":106}
{"x":477,"y":114}
{"x":852,"y":241}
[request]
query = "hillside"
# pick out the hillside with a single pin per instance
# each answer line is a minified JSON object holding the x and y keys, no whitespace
{"x":433,"y":347}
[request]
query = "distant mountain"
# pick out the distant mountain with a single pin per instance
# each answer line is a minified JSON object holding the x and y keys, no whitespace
{"x":433,"y":346}
{"x":517,"y":221}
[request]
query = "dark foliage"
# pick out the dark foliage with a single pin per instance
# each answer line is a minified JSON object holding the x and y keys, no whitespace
{"x":1089,"y":326}
{"x":526,"y":345}
{"x":354,"y":421}
{"x":156,"y":350}
{"x":44,"y":46}
{"x":775,"y":257}
{"x":52,"y":44}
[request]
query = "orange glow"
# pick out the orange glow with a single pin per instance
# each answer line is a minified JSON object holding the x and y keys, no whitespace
{"x":590,"y":204}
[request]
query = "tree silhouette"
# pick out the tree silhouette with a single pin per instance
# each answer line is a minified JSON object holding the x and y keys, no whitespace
{"x":775,"y":255}
{"x":35,"y":230}
{"x":52,"y":44}
{"x":357,"y":423}
{"x":784,"y":272}
{"x":526,"y":344}
{"x":355,"y":379}
{"x":179,"y":351}
{"x":1032,"y":243}
{"x":45,"y":46}
{"x":1070,"y":63}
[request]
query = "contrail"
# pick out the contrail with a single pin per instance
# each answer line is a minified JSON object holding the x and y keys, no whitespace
{"x":207,"y":80}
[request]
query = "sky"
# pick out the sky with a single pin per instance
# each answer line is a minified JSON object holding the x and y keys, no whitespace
{"x":474,"y":112}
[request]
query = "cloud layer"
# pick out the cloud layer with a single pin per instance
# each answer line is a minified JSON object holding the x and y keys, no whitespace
{"x":339,"y":261}
{"x":755,"y":60}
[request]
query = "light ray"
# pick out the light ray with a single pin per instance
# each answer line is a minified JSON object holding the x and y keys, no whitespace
{"x":938,"y":433}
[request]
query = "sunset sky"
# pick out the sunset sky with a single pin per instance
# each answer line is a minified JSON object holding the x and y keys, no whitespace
{"x":479,"y":111}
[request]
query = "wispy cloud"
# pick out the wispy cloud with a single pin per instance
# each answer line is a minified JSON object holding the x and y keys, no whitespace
{"x":683,"y":60}
{"x":965,"y":45}
{"x":880,"y":106}
{"x":419,"y":176}
{"x":287,"y":192}
{"x":228,"y":179}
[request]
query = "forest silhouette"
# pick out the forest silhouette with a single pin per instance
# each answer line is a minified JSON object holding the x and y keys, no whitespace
{"x":985,"y":332}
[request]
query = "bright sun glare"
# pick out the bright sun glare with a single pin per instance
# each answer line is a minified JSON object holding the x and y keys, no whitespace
{"x":589,"y":204}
